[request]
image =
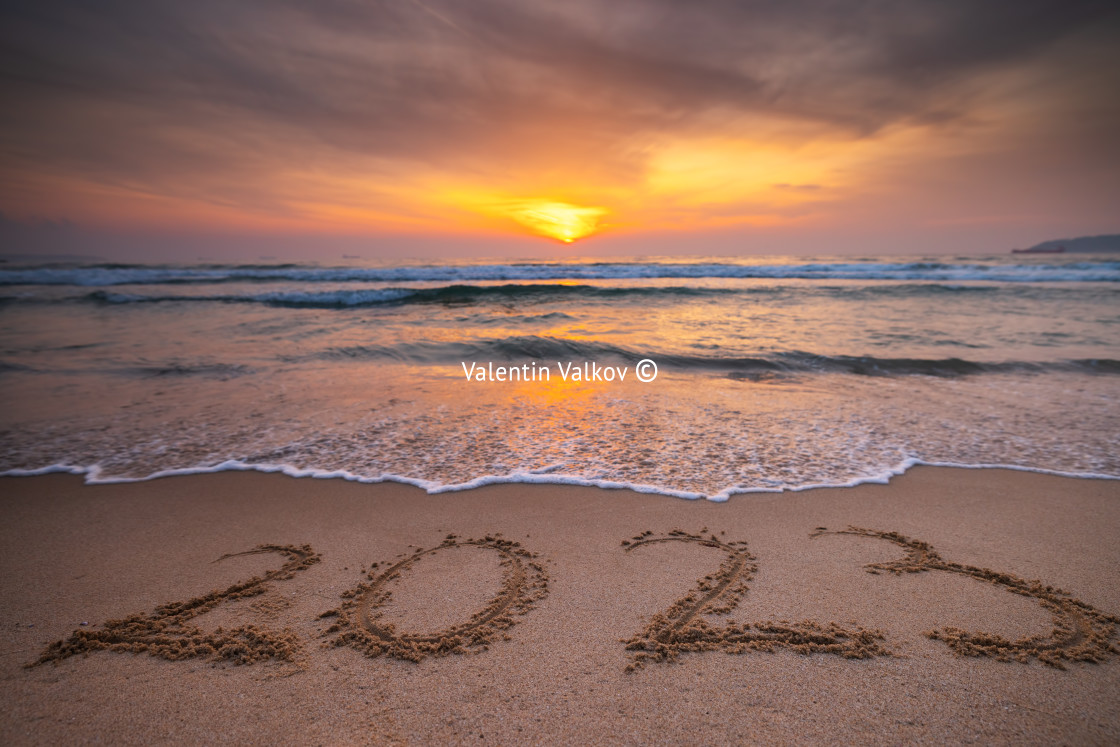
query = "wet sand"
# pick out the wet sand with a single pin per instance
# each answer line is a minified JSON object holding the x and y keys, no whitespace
{"x":948,"y":606}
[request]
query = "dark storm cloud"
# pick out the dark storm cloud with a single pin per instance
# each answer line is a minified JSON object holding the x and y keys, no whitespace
{"x":137,"y":91}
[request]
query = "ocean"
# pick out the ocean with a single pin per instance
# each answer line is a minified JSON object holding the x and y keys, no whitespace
{"x":765,"y":374}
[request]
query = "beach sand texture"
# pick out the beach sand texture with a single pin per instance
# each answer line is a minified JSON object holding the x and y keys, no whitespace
{"x":948,"y":606}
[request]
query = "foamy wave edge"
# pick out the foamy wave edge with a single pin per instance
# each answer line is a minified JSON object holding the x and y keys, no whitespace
{"x":543,"y":476}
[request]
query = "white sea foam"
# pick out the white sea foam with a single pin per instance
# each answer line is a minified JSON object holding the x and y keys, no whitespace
{"x":94,"y":476}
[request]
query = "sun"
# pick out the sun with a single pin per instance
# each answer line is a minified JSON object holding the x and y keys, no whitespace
{"x":557,"y":220}
{"x":566,"y":222}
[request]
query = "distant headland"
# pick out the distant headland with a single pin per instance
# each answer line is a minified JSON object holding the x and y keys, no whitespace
{"x":1080,"y":245}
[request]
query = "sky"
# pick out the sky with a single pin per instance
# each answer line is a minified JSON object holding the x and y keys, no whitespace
{"x":398,"y":128}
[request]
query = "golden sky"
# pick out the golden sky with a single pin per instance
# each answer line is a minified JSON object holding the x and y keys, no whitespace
{"x":626,"y":126}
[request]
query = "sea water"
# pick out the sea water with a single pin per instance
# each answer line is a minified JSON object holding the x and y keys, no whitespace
{"x":770,"y":374}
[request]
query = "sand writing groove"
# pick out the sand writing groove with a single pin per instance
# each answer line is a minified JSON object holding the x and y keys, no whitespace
{"x":683,"y":628}
{"x":1080,"y":633}
{"x":524,"y":583}
{"x":167,"y":633}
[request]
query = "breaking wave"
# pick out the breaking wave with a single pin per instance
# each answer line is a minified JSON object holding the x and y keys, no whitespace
{"x":129,"y":274}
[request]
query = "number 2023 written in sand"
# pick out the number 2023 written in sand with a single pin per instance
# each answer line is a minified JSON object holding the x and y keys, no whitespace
{"x":1080,"y":632}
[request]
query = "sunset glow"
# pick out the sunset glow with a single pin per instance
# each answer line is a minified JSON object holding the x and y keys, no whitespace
{"x":420,"y":125}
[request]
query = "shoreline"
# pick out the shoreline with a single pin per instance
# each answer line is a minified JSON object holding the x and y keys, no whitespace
{"x":542,"y":476}
{"x":77,"y":553}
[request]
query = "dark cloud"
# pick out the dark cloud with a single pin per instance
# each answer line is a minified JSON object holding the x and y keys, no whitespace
{"x":209,"y":95}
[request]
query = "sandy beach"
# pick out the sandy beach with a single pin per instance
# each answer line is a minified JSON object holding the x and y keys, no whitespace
{"x":554,"y":614}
